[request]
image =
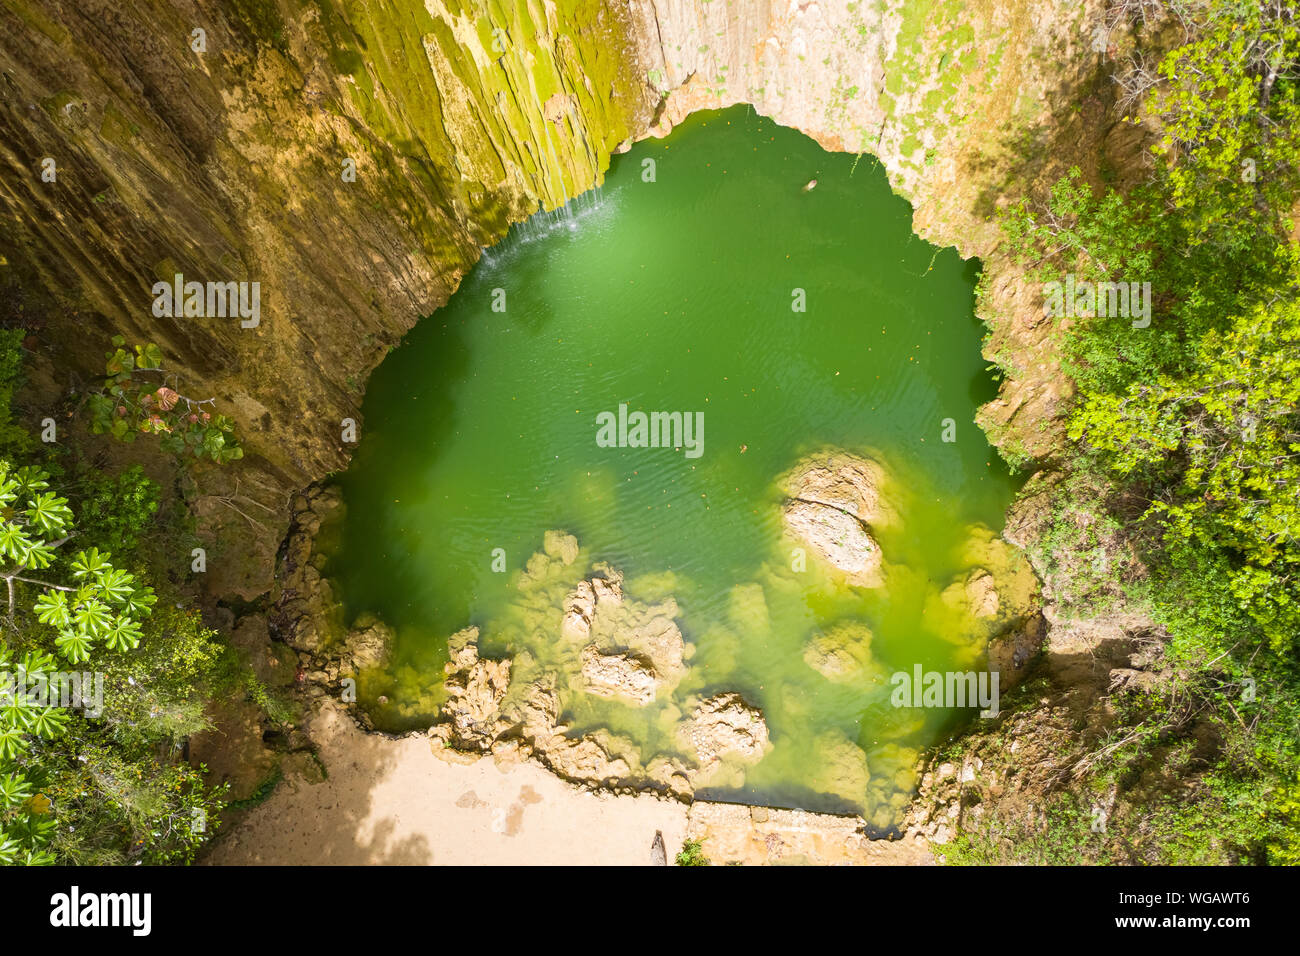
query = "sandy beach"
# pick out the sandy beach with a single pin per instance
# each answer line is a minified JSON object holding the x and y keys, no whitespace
{"x":392,"y":801}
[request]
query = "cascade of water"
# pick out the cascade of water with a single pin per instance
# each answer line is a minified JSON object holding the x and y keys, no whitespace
{"x":542,"y":224}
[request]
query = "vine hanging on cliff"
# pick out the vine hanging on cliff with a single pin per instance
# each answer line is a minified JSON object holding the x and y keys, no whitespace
{"x":139,"y":397}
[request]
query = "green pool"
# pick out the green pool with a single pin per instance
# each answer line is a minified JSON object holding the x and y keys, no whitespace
{"x":676,"y":289}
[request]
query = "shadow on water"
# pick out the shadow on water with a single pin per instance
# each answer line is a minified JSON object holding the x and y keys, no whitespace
{"x":406,"y":378}
{"x":788,"y":797}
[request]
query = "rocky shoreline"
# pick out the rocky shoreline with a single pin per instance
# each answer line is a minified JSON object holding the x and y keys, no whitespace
{"x":632,"y":651}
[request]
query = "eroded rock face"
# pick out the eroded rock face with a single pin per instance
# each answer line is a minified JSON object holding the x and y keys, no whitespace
{"x":595,"y":758}
{"x":617,"y":675}
{"x":648,"y":630}
{"x":581,"y":603}
{"x":726,"y":727}
{"x":475,"y":689}
{"x":733,"y":833}
{"x":833,"y":501}
{"x":305,"y":610}
{"x":579,"y":609}
{"x":635,"y":648}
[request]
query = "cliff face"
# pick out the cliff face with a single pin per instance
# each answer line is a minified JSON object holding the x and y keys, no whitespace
{"x":461,"y":117}
{"x":229,"y":165}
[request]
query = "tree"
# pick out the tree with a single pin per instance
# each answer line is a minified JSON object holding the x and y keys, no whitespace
{"x":25,"y":823}
{"x":1223,"y":444}
{"x":102,"y":604}
{"x":1230,"y":108}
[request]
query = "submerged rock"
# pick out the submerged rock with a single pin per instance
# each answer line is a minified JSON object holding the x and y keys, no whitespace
{"x":648,"y":630}
{"x":992,"y":605}
{"x":617,"y":675}
{"x":747,"y":609}
{"x":974,"y":592}
{"x":832,"y":502}
{"x":842,"y":653}
{"x":579,"y":609}
{"x":725,"y":726}
{"x":368,"y":645}
{"x":981,"y":593}
{"x":558,"y":544}
{"x":841,"y":768}
{"x":630,"y":639}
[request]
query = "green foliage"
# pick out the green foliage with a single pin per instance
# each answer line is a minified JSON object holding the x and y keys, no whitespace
{"x":1197,"y":413}
{"x":100,"y":604}
{"x":100,"y":607}
{"x":114,"y":510}
{"x":13,"y":438}
{"x":137,"y":399}
{"x":159,"y":692}
{"x":25,"y":824}
{"x":1230,"y":109}
{"x":279,"y":710}
{"x":692,"y":854}
{"x":1063,"y":836}
{"x":117,"y":802}
{"x":1189,"y":433}
{"x":104,"y":785}
{"x":1116,"y":237}
{"x":1223,"y":444}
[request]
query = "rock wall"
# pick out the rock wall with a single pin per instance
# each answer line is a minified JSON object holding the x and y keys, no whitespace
{"x":942,"y":92}
{"x":228,"y":165}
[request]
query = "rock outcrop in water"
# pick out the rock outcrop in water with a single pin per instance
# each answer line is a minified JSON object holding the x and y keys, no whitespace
{"x":475,"y":688}
{"x":842,"y":653}
{"x":617,"y":675}
{"x":580,"y":604}
{"x":995,"y":600}
{"x":583,"y":639}
{"x":604,"y":644}
{"x":833,"y":501}
{"x":635,"y":647}
{"x":726,"y":726}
